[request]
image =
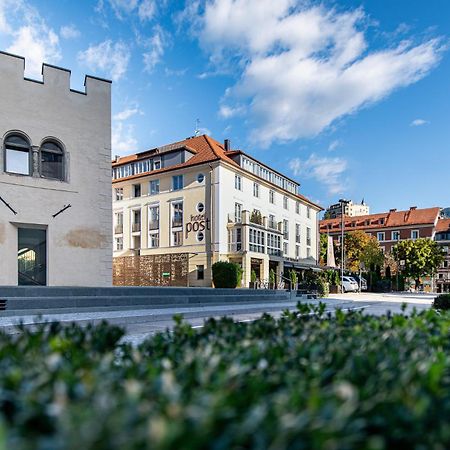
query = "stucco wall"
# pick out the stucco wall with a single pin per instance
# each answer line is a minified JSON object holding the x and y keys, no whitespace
{"x":79,"y":241}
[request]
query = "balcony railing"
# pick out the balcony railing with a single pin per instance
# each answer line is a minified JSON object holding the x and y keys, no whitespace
{"x":308,"y":241}
{"x":297,"y":239}
{"x":153,"y":225}
{"x":272,"y":224}
{"x":235,"y":247}
{"x":136,"y":227}
{"x":177,"y":223}
{"x":118,"y":229}
{"x":286,"y":235}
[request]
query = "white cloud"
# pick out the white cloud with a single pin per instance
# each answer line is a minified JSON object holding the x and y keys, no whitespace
{"x":300,"y":68}
{"x":122,"y":140}
{"x":419,"y":122}
{"x":156,"y":46}
{"x":327,"y":171}
{"x":69,"y":32}
{"x":334,"y":145}
{"x":228,"y":112}
{"x":146,"y":10}
{"x":107,"y":57}
{"x":127,"y":113}
{"x":28,"y":35}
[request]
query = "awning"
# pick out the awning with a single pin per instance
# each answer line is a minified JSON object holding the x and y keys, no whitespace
{"x":303,"y":264}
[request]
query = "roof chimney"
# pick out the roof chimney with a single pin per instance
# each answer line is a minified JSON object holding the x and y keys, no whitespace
{"x":413,"y":208}
{"x":393,"y":210}
{"x":226,"y":144}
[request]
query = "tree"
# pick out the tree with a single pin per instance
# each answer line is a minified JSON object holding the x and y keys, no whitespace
{"x":362,"y":248}
{"x":323,"y":249}
{"x":420,"y":258}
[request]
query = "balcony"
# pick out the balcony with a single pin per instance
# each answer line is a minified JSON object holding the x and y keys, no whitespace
{"x":153,"y":225}
{"x":136,"y":227}
{"x":177,"y":223}
{"x":118,"y":229}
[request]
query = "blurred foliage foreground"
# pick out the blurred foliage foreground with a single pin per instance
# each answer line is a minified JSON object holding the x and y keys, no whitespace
{"x":305,"y":381}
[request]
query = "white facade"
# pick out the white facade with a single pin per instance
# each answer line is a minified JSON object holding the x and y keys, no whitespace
{"x":237,"y":206}
{"x":76,"y":240}
{"x":350,"y":209}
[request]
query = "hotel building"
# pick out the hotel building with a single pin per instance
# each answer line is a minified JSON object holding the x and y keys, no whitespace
{"x":199,"y":199}
{"x":55,"y":178}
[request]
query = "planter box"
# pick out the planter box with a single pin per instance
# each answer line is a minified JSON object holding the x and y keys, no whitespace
{"x":334,"y":289}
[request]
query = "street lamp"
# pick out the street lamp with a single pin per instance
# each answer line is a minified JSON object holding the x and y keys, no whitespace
{"x":342,"y":202}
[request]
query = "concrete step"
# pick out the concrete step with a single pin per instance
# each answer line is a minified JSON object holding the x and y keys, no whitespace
{"x":56,"y":291}
{"x":44,"y":302}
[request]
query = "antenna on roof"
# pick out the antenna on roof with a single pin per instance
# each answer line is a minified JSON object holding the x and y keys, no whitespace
{"x":197,"y":128}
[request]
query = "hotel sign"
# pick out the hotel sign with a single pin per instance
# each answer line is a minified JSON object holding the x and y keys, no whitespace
{"x":197,"y":223}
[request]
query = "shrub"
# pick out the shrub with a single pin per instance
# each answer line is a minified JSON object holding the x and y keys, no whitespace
{"x":442,"y":301}
{"x":303,"y":381}
{"x":272,"y":276}
{"x":226,"y":274}
{"x":323,"y":288}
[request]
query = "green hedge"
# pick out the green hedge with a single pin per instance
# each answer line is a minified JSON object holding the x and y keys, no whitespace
{"x":304,"y":381}
{"x":226,"y":274}
{"x":442,"y":301}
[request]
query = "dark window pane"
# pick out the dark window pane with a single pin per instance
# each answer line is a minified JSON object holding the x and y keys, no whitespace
{"x":17,"y":140}
{"x":51,"y":165}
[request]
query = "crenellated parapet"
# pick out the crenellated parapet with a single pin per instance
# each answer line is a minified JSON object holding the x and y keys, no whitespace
{"x":54,"y":77}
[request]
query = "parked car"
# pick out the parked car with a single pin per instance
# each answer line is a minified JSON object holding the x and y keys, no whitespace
{"x":363,"y":282}
{"x":350,"y":285}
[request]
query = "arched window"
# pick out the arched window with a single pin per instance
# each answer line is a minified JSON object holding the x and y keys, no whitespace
{"x":52,"y":161}
{"x":17,"y":155}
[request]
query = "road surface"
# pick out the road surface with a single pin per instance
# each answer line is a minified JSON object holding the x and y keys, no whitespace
{"x":143,"y":322}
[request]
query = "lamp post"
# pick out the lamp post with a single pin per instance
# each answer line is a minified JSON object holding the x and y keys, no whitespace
{"x":342,"y":202}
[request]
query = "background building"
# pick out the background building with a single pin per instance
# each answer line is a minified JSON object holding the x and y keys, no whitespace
{"x":200,"y":199}
{"x":389,"y":227}
{"x":350,"y":209}
{"x":55,"y":178}
{"x":443,"y":239}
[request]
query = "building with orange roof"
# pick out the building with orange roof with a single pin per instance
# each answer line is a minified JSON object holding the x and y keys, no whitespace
{"x":201,"y":199}
{"x":394,"y":226}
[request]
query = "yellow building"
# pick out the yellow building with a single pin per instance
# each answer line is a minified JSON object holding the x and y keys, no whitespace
{"x":200,"y":199}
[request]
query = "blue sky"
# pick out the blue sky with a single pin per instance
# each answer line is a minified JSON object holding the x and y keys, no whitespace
{"x":351,"y":98}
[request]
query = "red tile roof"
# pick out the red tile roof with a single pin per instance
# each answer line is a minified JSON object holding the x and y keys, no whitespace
{"x":205,"y":149}
{"x":443,"y":226}
{"x":393,"y":218}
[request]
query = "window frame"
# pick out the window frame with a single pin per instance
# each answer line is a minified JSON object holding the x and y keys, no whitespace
{"x":17,"y":148}
{"x":176,"y":186}
{"x":61,"y":152}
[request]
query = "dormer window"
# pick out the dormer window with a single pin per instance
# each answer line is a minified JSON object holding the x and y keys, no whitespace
{"x":17,"y":155}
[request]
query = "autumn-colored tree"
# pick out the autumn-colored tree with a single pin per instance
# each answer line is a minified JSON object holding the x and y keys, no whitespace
{"x":361,"y":248}
{"x":418,"y":258}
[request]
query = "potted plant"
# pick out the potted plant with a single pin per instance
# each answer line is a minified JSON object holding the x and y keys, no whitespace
{"x":272,"y":279}
{"x":253,"y":279}
{"x":334,"y":282}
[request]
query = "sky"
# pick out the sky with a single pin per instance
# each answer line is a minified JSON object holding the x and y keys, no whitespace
{"x":351,"y":98}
